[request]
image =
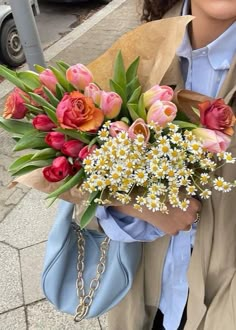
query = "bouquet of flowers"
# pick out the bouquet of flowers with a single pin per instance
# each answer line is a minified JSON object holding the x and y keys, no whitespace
{"x":125,"y":144}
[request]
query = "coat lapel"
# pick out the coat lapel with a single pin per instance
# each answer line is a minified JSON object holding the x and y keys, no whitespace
{"x":228,"y":89}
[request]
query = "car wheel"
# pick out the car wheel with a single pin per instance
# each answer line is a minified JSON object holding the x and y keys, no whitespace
{"x":11,"y":50}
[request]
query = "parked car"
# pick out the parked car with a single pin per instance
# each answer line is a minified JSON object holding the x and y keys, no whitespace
{"x":11,"y":50}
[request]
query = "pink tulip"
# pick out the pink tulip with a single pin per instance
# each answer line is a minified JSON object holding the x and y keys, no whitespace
{"x":116,"y":127}
{"x":110,"y":104}
{"x":55,"y":140}
{"x":43,"y":123}
{"x":157,"y":93}
{"x":93,"y":91}
{"x":139,"y":127}
{"x":79,"y":76}
{"x":213,"y":141}
{"x":86,"y":151}
{"x":59,"y":169}
{"x":72,"y":148}
{"x":48,"y":79}
{"x":161,"y":113}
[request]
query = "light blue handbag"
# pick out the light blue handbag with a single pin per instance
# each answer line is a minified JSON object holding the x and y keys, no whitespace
{"x":86,"y":286}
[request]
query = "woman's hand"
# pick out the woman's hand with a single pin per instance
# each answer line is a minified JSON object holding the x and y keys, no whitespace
{"x":170,"y":223}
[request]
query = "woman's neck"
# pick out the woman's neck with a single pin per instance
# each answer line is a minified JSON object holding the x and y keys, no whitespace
{"x":205,"y":29}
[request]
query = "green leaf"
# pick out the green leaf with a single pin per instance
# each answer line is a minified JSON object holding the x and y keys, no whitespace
{"x":15,"y":126}
{"x":133,"y":111}
{"x":141,"y":108}
{"x":30,"y":79}
{"x":41,"y":101}
{"x":131,"y":72}
{"x":52,"y":98}
{"x":184,"y":124}
{"x":19,"y":161}
{"x":39,"y":68}
{"x":73,"y":181}
{"x":33,"y":109}
{"x":90,"y":210}
{"x":31,"y":140}
{"x":119,"y":75}
{"x":81,"y":136}
{"x":25,"y":170}
{"x":36,"y":160}
{"x":136,"y":95}
{"x":34,"y":164}
{"x":63,"y":66}
{"x":118,"y":89}
{"x":59,"y":91}
{"x":51,"y":114}
{"x":62,"y":79}
{"x":46,"y":153}
{"x":132,"y":86}
{"x":10,"y":75}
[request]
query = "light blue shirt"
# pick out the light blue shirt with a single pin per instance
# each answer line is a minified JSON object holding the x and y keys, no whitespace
{"x":204,"y":71}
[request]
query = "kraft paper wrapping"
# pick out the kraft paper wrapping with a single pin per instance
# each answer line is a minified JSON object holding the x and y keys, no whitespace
{"x":155,"y":43}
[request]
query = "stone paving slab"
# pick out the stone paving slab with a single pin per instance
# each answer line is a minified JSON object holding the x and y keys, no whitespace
{"x":31,"y":259}
{"x":13,"y":320}
{"x":11,"y":295}
{"x":29,"y":222}
{"x":42,"y":315}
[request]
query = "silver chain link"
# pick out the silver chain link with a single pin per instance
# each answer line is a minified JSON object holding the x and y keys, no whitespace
{"x":85,"y":300}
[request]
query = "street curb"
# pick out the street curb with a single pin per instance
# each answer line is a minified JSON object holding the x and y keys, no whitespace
{"x":68,"y":39}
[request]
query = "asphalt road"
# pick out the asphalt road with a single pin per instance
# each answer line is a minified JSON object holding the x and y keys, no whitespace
{"x":58,"y":19}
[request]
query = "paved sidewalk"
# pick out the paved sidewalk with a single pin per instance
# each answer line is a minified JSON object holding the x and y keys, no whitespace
{"x":24,"y":218}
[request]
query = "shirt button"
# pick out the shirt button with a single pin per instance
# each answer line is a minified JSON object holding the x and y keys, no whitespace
{"x":204,"y":52}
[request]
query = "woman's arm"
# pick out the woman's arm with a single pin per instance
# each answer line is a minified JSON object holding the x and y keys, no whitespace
{"x":170,"y":223}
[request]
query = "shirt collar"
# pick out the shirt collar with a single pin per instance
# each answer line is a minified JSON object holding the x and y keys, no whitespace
{"x":220,"y":56}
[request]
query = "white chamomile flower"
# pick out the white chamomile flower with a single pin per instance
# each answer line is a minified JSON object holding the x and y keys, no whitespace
{"x":141,"y":176}
{"x":140,"y":200}
{"x":107,"y":124}
{"x":184,"y":204}
{"x":138,"y":207}
{"x":153,"y":205}
{"x":229,"y":158}
{"x":204,"y":178}
{"x":227,"y":187}
{"x":219,"y":183}
{"x":205,"y":194}
{"x":176,"y":138}
{"x":103,"y":134}
{"x":173,"y":127}
{"x":191,"y":190}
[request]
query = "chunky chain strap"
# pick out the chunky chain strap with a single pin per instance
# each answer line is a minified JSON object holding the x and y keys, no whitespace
{"x":85,"y":300}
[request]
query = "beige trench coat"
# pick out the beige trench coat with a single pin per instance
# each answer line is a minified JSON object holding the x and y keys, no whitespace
{"x":212,"y":270}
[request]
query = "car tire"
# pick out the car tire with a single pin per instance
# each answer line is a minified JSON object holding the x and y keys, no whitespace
{"x":11,"y":50}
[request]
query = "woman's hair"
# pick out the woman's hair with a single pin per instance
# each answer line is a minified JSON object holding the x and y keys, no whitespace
{"x":155,"y":9}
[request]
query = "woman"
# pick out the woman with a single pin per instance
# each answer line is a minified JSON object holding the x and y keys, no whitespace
{"x":166,"y":283}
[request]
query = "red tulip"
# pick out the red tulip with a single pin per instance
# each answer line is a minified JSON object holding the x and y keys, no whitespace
{"x":59,"y":169}
{"x":55,"y":140}
{"x":86,"y":151}
{"x":72,"y":148}
{"x":43,"y":123}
